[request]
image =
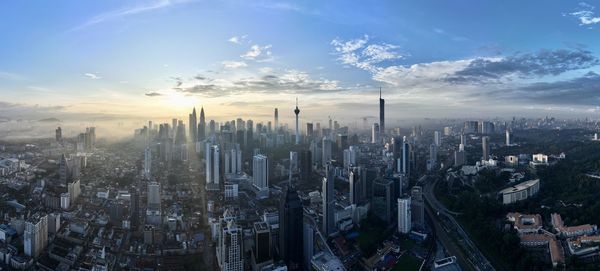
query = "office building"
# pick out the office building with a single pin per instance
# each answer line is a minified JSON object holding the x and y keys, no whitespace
{"x":193,"y":126}
{"x":262,"y":242}
{"x":306,"y":165}
{"x":147,"y":163}
{"x":520,"y":191}
{"x":290,"y":229}
{"x":404,"y":215}
{"x":355,"y":186}
{"x":417,"y":207}
{"x":327,"y":149}
{"x":381,"y":115}
{"x":154,"y":196}
{"x":437,"y":138}
{"x":485,"y":146}
{"x":375,"y":133}
{"x":260,"y":171}
{"x":276,"y":119}
{"x":201,"y":126}
{"x":328,"y":195}
{"x":233,"y":160}
{"x":507,"y":138}
{"x":212,"y":158}
{"x":405,"y":157}
{"x":383,"y":199}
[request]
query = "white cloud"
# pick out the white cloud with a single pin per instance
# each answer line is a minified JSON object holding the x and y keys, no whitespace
{"x":586,"y":14}
{"x":238,"y":39}
{"x":234,"y":64}
{"x":360,"y":54}
{"x":421,"y":73}
{"x":92,"y":76}
{"x":258,"y":53}
{"x":11,"y":76}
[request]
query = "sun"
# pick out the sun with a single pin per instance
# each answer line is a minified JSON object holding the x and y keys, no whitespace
{"x":178,"y":100}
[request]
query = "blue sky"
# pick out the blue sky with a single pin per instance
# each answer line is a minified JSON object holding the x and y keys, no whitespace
{"x":432,"y":58}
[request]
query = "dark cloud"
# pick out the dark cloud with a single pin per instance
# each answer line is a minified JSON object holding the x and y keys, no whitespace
{"x":529,"y":65}
{"x":290,"y":82}
{"x":153,"y":94}
{"x":584,"y":90}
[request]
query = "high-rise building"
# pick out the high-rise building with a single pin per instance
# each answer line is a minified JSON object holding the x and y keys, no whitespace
{"x":355,"y":186}
{"x":437,"y":138}
{"x":276,"y":119}
{"x":381,"y":115}
{"x":147,"y":163}
{"x":213,"y":156}
{"x":417,"y":207}
{"x":459,"y":157}
{"x":306,"y":166}
{"x":470,"y":127}
{"x":309,"y":130}
{"x":290,"y":229}
{"x":405,"y":157}
{"x":308,"y":241}
{"x":328,"y":201}
{"x":326,"y":157}
{"x":35,"y":236}
{"x":230,"y":247}
{"x":404,"y":215}
{"x":58,"y":134}
{"x":383,"y":199}
{"x":433,"y":153}
{"x":375,"y":133}
{"x":508,"y":143}
{"x":350,"y":156}
{"x":154,"y":196}
{"x":485,"y":146}
{"x":262,"y":242}
{"x":193,"y":126}
{"x":463,"y":139}
{"x":202,"y":126}
{"x":260,"y":171}
{"x":233,"y":160}
{"x":64,"y":172}
{"x":297,"y":111}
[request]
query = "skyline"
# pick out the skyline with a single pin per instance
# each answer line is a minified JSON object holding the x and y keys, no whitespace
{"x":157,"y":59}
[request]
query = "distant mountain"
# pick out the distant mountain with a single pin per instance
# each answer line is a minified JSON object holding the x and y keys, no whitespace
{"x":49,"y":120}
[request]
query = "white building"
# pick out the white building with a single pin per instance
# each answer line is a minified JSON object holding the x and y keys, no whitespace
{"x":437,"y":138}
{"x":520,"y":191}
{"x":147,"y":163}
{"x":404,"y":215}
{"x":229,"y":248}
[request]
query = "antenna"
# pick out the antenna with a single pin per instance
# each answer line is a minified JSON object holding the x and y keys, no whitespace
{"x":379,"y":92}
{"x":296,"y":101}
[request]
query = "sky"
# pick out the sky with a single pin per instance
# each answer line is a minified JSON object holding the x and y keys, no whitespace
{"x":431,"y":58}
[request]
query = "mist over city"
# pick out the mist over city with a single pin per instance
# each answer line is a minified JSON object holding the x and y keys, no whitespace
{"x":299,"y":135}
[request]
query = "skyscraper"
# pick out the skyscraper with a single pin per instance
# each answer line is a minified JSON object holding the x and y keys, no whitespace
{"x":328,"y":201}
{"x":233,"y":160}
{"x":262,"y":242}
{"x":326,"y":157}
{"x":305,"y":158}
{"x":260,"y":171}
{"x":147,"y":163}
{"x":58,"y":134}
{"x":485,"y":146}
{"x":63,"y":170}
{"x":193,"y":126}
{"x":230,"y":247}
{"x":212,"y":157}
{"x":276,"y":119}
{"x":417,"y":207}
{"x":35,"y":236}
{"x":355,"y":186}
{"x":437,"y":138}
{"x":381,"y":115}
{"x":508,"y":143}
{"x":202,"y":126}
{"x":290,"y":229}
{"x":375,"y":133}
{"x":154,"y":196}
{"x":405,"y":157}
{"x":297,"y":111}
{"x":404,"y":215}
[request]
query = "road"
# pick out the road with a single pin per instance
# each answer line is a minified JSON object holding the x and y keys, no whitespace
{"x":446,"y":224}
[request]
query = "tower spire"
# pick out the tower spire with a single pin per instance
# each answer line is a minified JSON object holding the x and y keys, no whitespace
{"x":379,"y":92}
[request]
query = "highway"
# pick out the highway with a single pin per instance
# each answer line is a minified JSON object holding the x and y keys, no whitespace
{"x":447,"y":226}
